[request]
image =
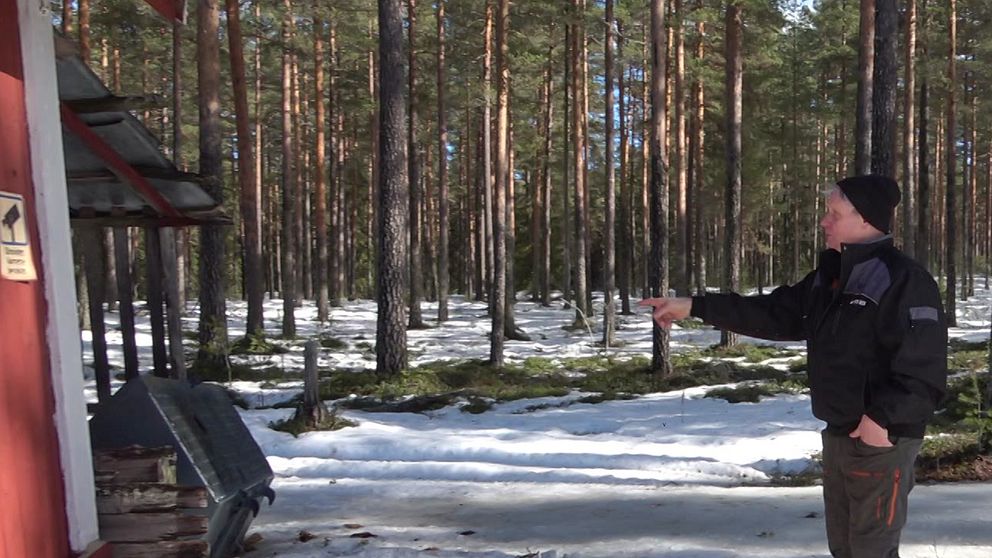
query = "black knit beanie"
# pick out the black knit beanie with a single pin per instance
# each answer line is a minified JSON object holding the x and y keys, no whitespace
{"x":874,"y":196}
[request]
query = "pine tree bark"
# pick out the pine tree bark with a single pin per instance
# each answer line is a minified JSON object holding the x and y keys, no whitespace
{"x":908,"y":138}
{"x":885,"y":85}
{"x":698,"y":161}
{"x":301,"y":271}
{"x":84,"y":30}
{"x":950,"y":151}
{"x":486,"y":152}
{"x":579,"y":170}
{"x":923,"y":246}
{"x":320,"y":170}
{"x":971,"y":199}
{"x":609,"y":232}
{"x":866,"y":64}
{"x":625,"y":237}
{"x":442,"y":162}
{"x":541,"y":195}
{"x":497,"y":306}
{"x":213,"y":350}
{"x":734,"y":83}
{"x":658,"y":263}
{"x":289,"y":191}
{"x":646,"y":251}
{"x":566,"y":227}
{"x":254,"y":281}
{"x":682,"y":246}
{"x":416,"y":192}
{"x":394,"y":196}
{"x":66,"y":23}
{"x":510,"y":329}
{"x":177,"y":155}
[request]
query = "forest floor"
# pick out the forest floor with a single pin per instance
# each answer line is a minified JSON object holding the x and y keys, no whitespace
{"x":573,"y":449}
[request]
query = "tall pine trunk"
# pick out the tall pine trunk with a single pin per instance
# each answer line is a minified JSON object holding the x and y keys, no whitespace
{"x":908,"y":138}
{"x":923,"y":245}
{"x":288,"y":242}
{"x":502,"y":175}
{"x":253,"y":276}
{"x":698,"y":154}
{"x":320,"y":171}
{"x":866,"y":64}
{"x":609,"y":244}
{"x":682,"y":245}
{"x":658,"y":263}
{"x":213,"y":350}
{"x":392,"y":260}
{"x":734,"y":82}
{"x":416,"y":192}
{"x":950,"y":151}
{"x":442,"y":178}
{"x":579,"y":169}
{"x":884,"y":87}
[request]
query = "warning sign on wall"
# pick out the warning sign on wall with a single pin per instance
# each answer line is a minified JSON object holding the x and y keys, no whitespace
{"x":15,"y":247}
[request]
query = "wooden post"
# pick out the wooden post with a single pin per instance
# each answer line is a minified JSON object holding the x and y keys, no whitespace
{"x":173,"y":312}
{"x":153,"y":270}
{"x":91,"y":241}
{"x":312,"y":410}
{"x":126,"y":302}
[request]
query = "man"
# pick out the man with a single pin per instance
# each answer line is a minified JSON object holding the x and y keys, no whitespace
{"x":876,"y":338}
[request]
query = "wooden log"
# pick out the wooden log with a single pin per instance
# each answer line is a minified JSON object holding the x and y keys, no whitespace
{"x":137,"y":464}
{"x":150,"y":527}
{"x":163,"y":549}
{"x":148,"y":497}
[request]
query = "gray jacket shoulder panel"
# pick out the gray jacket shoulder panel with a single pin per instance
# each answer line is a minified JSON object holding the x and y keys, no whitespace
{"x":870,"y":278}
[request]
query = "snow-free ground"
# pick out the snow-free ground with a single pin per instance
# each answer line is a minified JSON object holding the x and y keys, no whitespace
{"x":664,"y":475}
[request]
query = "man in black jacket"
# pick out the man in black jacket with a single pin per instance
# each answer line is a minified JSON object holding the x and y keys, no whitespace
{"x":876,"y":338}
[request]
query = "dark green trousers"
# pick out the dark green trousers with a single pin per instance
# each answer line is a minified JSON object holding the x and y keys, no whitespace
{"x":865,"y":495}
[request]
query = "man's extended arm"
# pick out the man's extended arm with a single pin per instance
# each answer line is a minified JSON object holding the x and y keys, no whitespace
{"x":777,"y":316}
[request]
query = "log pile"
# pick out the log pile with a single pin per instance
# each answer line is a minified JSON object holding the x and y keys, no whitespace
{"x":142,"y":512}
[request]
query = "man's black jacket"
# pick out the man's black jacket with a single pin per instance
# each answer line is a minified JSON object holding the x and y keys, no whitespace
{"x":875,"y":332}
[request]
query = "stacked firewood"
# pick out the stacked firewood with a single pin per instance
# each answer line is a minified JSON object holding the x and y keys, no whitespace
{"x":142,"y":512}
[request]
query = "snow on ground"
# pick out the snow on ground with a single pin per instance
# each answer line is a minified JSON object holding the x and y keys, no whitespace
{"x":668,"y":475}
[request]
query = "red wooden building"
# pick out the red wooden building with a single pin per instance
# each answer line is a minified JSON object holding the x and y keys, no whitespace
{"x":46,"y":471}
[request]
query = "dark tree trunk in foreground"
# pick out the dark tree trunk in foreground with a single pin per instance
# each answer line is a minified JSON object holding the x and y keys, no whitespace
{"x":950,"y":166}
{"x":442,"y":178}
{"x":213,"y":349}
{"x":923,"y":249}
{"x":390,"y":346}
{"x":254,"y":279}
{"x":413,"y":161}
{"x":734,"y":83}
{"x":697,"y":164}
{"x":288,"y":248}
{"x":884,"y":88}
{"x":579,"y":171}
{"x":908,"y":138}
{"x":497,"y":302}
{"x":658,"y":262}
{"x":319,"y":170}
{"x":866,"y":64}
{"x":609,"y":248}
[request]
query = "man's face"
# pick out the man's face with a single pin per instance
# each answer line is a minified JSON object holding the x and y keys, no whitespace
{"x":843,"y":224}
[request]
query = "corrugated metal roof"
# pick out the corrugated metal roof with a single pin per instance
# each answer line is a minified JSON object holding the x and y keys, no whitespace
{"x":97,"y":188}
